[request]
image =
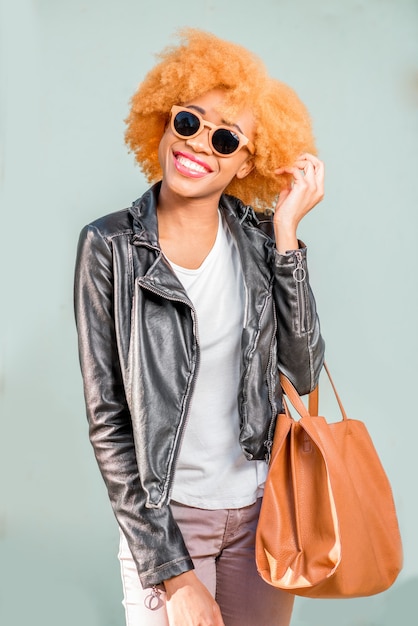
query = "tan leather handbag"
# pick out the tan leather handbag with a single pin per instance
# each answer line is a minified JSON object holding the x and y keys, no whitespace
{"x":328,"y":526}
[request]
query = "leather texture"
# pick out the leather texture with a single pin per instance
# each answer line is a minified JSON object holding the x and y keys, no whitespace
{"x":139,"y":355}
{"x":328,"y":526}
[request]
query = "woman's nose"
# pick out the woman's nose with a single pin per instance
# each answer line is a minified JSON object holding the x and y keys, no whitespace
{"x":200,"y":142}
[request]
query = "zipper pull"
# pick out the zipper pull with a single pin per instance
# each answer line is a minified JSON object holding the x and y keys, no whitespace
{"x":299,"y":273}
{"x":153,"y":600}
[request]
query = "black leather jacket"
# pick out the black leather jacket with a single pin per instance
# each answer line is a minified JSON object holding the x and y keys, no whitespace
{"x":139,"y":357}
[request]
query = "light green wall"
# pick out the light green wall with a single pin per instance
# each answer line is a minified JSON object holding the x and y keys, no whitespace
{"x":68,"y":69}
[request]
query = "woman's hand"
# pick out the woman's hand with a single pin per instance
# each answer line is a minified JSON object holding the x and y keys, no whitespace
{"x":304,"y":192}
{"x":189,"y":602}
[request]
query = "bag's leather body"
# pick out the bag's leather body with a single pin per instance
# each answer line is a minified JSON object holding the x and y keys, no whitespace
{"x":328,"y":526}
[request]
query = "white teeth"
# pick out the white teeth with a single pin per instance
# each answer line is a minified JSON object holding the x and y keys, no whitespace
{"x":191,"y":165}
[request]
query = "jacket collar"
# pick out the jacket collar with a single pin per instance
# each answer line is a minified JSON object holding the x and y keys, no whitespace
{"x":241,"y":220}
{"x":144,"y":213}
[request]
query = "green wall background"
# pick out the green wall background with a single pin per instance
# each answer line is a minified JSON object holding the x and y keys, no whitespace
{"x":67,"y":72}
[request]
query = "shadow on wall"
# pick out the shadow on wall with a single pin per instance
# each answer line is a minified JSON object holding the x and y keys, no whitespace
{"x":395,"y":607}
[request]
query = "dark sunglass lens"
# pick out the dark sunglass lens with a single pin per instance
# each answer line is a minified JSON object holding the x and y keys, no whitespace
{"x":225,"y":141}
{"x":186,"y":123}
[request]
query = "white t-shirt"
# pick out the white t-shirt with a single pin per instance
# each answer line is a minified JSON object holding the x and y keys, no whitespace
{"x":212,"y":471}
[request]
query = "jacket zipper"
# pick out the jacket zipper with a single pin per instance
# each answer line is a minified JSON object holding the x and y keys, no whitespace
{"x":182,"y":426}
{"x":269,"y":441}
{"x":299,"y":275}
{"x":181,"y":429}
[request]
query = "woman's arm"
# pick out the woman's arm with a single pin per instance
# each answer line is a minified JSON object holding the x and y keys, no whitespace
{"x":300,"y":344}
{"x":304,"y":192}
{"x":301,"y":347}
{"x":152,"y":534}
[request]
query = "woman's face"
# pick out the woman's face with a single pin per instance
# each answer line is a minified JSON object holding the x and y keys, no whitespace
{"x":190,"y":166}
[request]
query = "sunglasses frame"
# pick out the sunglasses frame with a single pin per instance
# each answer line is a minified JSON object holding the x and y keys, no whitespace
{"x":244,"y":142}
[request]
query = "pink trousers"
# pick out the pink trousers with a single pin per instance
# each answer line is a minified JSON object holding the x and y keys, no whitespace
{"x":221,"y":544}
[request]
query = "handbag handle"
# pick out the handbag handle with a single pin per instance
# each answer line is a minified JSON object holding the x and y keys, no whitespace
{"x":297,"y":403}
{"x":313,"y":401}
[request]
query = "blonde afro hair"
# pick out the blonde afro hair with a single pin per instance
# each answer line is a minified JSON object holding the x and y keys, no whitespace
{"x":202,"y":62}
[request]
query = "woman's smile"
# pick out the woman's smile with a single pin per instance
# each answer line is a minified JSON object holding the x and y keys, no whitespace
{"x":189,"y":165}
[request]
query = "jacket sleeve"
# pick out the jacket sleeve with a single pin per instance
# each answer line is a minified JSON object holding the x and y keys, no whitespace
{"x":300,"y":344}
{"x":153,"y":536}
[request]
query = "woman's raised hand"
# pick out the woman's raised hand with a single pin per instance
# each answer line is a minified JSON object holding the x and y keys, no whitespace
{"x":304,"y":192}
{"x":189,"y":603}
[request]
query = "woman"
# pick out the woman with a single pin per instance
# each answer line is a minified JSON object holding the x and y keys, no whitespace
{"x":186,"y":310}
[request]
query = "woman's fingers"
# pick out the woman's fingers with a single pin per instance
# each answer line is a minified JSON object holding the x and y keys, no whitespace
{"x":303,"y":163}
{"x":305,"y":190}
{"x":308,"y":174}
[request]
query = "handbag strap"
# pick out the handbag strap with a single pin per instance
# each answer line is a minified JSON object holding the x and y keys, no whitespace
{"x":313,"y":401}
{"x":297,"y":403}
{"x":293,"y":396}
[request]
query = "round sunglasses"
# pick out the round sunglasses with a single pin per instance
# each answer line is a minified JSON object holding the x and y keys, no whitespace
{"x":224,"y":141}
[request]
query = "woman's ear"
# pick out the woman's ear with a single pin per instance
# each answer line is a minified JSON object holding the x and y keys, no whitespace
{"x":245,"y":168}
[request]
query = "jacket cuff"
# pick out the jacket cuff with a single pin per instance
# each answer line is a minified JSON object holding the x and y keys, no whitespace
{"x":168,"y":570}
{"x":287,"y":261}
{"x":302,"y":246}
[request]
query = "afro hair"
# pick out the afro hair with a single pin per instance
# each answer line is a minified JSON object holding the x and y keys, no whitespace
{"x":200,"y":63}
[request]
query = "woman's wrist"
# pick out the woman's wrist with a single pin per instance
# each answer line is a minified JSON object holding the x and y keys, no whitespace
{"x":176,"y":582}
{"x":285,"y":241}
{"x":285,"y":236}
